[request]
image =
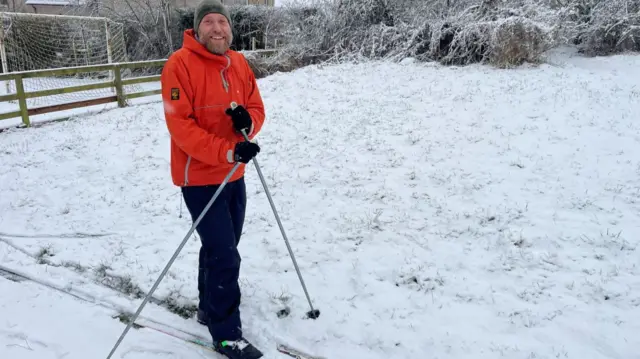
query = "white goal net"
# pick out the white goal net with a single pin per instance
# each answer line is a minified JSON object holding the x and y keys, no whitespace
{"x":36,"y":42}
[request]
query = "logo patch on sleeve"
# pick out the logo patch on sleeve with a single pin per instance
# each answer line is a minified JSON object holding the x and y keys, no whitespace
{"x":175,"y":94}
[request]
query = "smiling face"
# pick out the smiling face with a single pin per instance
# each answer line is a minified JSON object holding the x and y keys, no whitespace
{"x":215,"y":33}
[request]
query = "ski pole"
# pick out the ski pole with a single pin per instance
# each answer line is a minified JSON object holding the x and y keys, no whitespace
{"x":313,"y":313}
{"x":173,"y":258}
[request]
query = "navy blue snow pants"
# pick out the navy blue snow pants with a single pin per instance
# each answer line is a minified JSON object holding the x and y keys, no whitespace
{"x":219,"y":261}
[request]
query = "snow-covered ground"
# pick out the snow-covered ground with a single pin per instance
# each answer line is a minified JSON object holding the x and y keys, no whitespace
{"x":435,"y":212}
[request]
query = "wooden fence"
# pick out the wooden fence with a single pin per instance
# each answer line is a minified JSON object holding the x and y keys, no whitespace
{"x":116,"y":82}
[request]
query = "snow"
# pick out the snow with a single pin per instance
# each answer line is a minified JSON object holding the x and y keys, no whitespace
{"x":435,"y":212}
{"x":71,"y":331}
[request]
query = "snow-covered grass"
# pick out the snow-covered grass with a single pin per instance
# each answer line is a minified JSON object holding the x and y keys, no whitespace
{"x":435,"y":212}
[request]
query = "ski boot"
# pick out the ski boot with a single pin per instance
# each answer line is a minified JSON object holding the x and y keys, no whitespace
{"x":238,"y":349}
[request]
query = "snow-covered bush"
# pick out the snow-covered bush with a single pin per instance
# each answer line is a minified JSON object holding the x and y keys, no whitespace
{"x":500,"y":32}
{"x":458,"y":43}
{"x":516,"y":40}
{"x":265,"y":66}
{"x":455,"y":32}
{"x":600,"y":27}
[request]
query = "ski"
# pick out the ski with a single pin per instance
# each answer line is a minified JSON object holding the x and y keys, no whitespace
{"x":142,"y":321}
{"x":295,"y":353}
{"x":206,"y":344}
{"x":184,"y":336}
{"x":195,"y":339}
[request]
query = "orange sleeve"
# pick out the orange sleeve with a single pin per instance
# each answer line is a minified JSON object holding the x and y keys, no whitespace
{"x":254,"y":106}
{"x":178,"y":111}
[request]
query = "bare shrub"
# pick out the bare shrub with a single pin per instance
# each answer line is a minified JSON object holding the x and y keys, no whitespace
{"x":379,"y":42}
{"x":149,"y":29}
{"x":344,"y":29}
{"x":486,"y":32}
{"x":263,"y":66}
{"x":420,"y":44}
{"x":363,"y":13}
{"x":516,"y":40}
{"x":610,"y":39}
{"x":460,"y":44}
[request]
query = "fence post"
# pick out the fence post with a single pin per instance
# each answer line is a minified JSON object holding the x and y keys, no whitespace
{"x":117,"y":81}
{"x":22,"y":101}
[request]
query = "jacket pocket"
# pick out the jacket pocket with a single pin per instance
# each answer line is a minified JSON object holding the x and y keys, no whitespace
{"x":215,"y":121}
{"x":209,"y":116}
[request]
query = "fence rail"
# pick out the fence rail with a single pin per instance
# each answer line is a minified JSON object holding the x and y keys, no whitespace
{"x":116,"y":82}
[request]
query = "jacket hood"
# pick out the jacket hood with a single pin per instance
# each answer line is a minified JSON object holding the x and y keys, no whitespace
{"x":190,"y":43}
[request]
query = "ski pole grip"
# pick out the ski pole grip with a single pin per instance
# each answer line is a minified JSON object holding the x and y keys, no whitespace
{"x":233,"y":106}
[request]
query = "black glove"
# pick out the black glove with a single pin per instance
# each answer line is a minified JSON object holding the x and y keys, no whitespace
{"x":241,"y":118}
{"x":245,"y":151}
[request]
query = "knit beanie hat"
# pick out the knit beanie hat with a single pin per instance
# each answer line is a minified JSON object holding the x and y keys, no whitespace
{"x":208,"y":7}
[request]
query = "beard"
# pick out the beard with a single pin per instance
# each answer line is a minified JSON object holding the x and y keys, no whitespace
{"x":218,"y":47}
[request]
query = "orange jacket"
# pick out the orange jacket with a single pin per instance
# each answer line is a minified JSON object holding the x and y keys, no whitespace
{"x":197,"y":88}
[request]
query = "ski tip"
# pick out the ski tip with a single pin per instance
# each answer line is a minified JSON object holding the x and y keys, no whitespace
{"x":295,"y":353}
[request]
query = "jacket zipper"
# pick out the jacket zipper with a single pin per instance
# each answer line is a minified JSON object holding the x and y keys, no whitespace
{"x":225,"y":84}
{"x":186,"y":171}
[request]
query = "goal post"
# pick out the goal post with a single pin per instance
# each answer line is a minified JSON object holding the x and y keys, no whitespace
{"x":42,"y":41}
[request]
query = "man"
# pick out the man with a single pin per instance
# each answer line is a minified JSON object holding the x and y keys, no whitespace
{"x":199,"y":82}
